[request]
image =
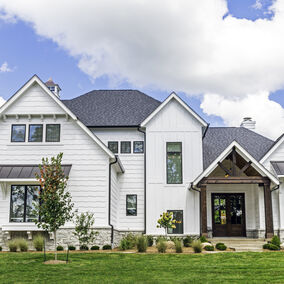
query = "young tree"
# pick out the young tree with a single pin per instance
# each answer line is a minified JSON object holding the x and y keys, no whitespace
{"x":166,"y":221}
{"x":84,"y":228}
{"x":54,"y":207}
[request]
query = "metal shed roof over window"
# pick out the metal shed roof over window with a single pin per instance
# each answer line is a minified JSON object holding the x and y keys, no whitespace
{"x":24,"y":171}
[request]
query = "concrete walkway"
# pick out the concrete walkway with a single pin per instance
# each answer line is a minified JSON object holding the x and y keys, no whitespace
{"x":241,"y":244}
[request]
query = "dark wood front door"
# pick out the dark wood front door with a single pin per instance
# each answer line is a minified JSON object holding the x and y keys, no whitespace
{"x":228,"y":214}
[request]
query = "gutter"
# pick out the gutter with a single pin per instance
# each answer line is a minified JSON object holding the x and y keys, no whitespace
{"x":109,"y":199}
{"x":142,"y":131}
{"x":275,"y":187}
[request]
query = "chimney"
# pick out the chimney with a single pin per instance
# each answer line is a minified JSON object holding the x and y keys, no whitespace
{"x":248,"y":123}
{"x":53,"y":87}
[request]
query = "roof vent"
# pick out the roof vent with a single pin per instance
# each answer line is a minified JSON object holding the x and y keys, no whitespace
{"x":248,"y":123}
{"x":53,"y":87}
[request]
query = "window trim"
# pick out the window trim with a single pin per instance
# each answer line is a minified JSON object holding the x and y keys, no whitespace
{"x":12,"y":133}
{"x":180,"y":162}
{"x":121,"y":147}
{"x":134,"y":147}
{"x":46,"y":132}
{"x":36,"y":124}
{"x":126,"y":204}
{"x":178,"y":210}
{"x":117,"y":142}
{"x":25,"y":202}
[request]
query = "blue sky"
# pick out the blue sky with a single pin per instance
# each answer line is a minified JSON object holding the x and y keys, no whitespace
{"x":28,"y":53}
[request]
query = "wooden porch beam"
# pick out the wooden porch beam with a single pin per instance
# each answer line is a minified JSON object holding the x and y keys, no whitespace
{"x":234,"y":180}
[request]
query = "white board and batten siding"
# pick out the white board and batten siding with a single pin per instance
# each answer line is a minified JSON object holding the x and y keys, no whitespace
{"x":88,"y":179}
{"x":173,"y":124}
{"x":131,"y":181}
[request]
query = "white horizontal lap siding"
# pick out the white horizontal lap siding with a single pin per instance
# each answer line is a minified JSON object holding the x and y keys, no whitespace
{"x":132,"y":180}
{"x":173,"y":124}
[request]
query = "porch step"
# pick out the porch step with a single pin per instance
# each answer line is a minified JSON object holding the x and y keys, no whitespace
{"x":241,"y":244}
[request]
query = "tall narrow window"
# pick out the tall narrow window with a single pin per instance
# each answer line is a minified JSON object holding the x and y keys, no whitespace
{"x":52,"y":133}
{"x":174,"y":163}
{"x":113,"y":146}
{"x":35,"y":132}
{"x":18,"y":133}
{"x":23,"y":199}
{"x":125,"y":147}
{"x":178,"y":216}
{"x":131,"y":205}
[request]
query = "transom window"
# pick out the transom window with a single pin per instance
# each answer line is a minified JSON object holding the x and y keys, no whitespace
{"x":125,"y":147}
{"x":52,"y":133}
{"x":35,"y":132}
{"x":178,"y":216}
{"x":138,"y":147}
{"x":18,"y":133}
{"x":174,"y":163}
{"x":23,"y":198}
{"x":113,"y":146}
{"x":131,"y":205}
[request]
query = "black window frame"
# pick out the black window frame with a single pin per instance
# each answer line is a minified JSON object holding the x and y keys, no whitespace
{"x":25,"y":202}
{"x":46,"y":132}
{"x":134,"y":147}
{"x":116,"y":144}
{"x":36,"y":124}
{"x":181,"y":182}
{"x":135,"y":203}
{"x":174,"y":233}
{"x":121,"y":147}
{"x":12,"y":133}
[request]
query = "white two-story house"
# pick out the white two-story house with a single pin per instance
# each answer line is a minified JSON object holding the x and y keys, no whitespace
{"x":129,"y":158}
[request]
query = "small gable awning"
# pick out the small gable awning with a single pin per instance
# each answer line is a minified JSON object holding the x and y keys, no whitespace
{"x":278,"y":167}
{"x":14,"y":172}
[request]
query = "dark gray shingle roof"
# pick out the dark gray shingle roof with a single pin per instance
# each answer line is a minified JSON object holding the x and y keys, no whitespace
{"x":112,"y":107}
{"x":278,"y":167}
{"x":217,"y":139}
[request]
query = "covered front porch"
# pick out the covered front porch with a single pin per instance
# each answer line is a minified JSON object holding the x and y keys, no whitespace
{"x":236,"y":196}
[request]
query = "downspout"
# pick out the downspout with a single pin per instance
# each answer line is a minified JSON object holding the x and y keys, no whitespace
{"x":109,"y":199}
{"x":142,"y":131}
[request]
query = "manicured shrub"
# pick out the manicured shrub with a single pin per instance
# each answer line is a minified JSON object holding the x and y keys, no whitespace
{"x":128,"y":242}
{"x":265,"y":246}
{"x":13,"y":245}
{"x":271,"y":246}
{"x":209,"y":248}
{"x":221,"y":246}
{"x":197,"y":246}
{"x":275,"y":241}
{"x":150,"y":240}
{"x":95,"y":248}
{"x":187,"y":241}
{"x":22,"y":244}
{"x":59,"y":248}
{"x":71,"y":247}
{"x":106,"y":247}
{"x":203,"y":239}
{"x":178,"y":246}
{"x":0,"y":248}
{"x":142,"y":243}
{"x":162,"y":246}
{"x":124,"y":244}
{"x":38,"y":242}
{"x":84,"y":247}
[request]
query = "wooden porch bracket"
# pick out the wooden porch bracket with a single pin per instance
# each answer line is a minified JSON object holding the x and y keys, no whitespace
{"x":203,"y":211}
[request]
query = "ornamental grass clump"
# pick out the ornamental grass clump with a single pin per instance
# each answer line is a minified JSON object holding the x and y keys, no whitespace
{"x":13,"y":245}
{"x":276,"y":241}
{"x":197,"y":246}
{"x":178,"y":246}
{"x":38,"y":243}
{"x":162,"y":246}
{"x":142,"y":244}
{"x":128,"y":242}
{"x":22,"y":244}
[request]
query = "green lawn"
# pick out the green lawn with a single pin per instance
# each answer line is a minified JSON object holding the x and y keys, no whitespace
{"x":144,"y":268}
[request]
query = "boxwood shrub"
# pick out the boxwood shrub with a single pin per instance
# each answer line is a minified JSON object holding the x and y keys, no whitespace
{"x":271,"y":246}
{"x":59,"y":248}
{"x":95,"y":248}
{"x":209,"y":248}
{"x":106,"y":247}
{"x":84,"y":247}
{"x":221,"y":246}
{"x":276,"y":241}
{"x":187,"y":241}
{"x":71,"y":247}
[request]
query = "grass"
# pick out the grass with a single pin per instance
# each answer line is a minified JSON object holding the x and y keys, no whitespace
{"x":144,"y":268}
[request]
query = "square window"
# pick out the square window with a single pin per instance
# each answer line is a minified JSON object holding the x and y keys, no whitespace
{"x":178,"y":216}
{"x":125,"y":147}
{"x":138,"y":147}
{"x":131,"y":205}
{"x":52,"y":133}
{"x":35,"y":132}
{"x":18,"y":133}
{"x":113,"y":146}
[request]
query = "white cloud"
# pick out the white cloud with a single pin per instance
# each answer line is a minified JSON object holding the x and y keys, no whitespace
{"x":257,"y":5}
{"x":5,"y":68}
{"x":180,"y":45}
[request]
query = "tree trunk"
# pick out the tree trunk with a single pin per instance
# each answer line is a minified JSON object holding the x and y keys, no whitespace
{"x":55,"y":249}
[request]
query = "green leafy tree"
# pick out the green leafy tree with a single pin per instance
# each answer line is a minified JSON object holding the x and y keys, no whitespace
{"x":166,"y":221}
{"x":55,"y":206}
{"x":84,"y":228}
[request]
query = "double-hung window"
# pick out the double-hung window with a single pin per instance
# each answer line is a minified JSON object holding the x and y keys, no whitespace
{"x":174,"y":163}
{"x":178,"y":216}
{"x":131,"y":205}
{"x":23,"y":199}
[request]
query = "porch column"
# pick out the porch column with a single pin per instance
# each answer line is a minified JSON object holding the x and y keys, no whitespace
{"x":268,"y":211}
{"x":203,"y":210}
